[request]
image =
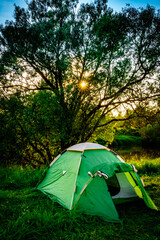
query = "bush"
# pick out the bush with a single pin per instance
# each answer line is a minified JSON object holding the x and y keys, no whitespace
{"x":151,"y":135}
{"x":125,"y":141}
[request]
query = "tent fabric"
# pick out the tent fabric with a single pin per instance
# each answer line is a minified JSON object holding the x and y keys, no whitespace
{"x":59,"y":186}
{"x":106,"y":162}
{"x":148,"y":201}
{"x":73,"y":181}
{"x":96,"y":200}
{"x":134,"y":184}
{"x":126,"y":188}
{"x":93,"y":161}
{"x":84,"y":146}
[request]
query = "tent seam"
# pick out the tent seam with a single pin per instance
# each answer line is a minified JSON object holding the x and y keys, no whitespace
{"x":76,"y":180}
{"x":85,"y":186}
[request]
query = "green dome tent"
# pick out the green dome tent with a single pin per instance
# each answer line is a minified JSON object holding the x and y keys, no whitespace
{"x":91,"y":179}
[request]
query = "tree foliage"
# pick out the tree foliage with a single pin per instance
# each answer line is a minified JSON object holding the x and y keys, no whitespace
{"x":52,"y":46}
{"x":28,"y":134}
{"x":142,"y":126}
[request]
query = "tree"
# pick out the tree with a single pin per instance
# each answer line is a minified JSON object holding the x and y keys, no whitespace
{"x":91,"y":59}
{"x":12,"y":143}
{"x":28,"y":135}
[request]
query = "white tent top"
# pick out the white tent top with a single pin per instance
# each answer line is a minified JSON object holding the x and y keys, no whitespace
{"x":85,"y":146}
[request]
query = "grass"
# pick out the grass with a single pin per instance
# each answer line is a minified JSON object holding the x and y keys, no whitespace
{"x":18,"y":178}
{"x":148,"y":167}
{"x":29,"y":214}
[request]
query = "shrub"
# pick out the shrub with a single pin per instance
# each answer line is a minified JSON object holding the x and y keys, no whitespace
{"x":151,"y":135}
{"x":125,"y":141}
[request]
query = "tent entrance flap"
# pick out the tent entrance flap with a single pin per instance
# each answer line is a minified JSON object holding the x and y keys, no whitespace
{"x":96,"y":200}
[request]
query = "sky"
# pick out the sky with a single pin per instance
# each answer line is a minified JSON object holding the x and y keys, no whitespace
{"x":7,"y":6}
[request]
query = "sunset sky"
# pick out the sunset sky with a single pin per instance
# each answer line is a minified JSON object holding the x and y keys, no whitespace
{"x":7,"y":6}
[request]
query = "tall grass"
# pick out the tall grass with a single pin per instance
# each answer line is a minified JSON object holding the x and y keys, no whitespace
{"x":29,"y":214}
{"x":147,"y":166}
{"x":19,"y":178}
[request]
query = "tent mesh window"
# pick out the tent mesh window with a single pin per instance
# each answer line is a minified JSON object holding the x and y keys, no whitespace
{"x":113,"y":185}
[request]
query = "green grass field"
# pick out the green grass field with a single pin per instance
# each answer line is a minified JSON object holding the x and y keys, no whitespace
{"x":28,"y":214}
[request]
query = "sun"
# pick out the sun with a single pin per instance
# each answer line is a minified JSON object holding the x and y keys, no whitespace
{"x":83,"y":84}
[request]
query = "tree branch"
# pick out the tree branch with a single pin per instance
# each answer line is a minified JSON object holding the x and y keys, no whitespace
{"x":41,"y":74}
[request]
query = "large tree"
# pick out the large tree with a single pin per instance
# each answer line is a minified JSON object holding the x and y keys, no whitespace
{"x":91,"y":59}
